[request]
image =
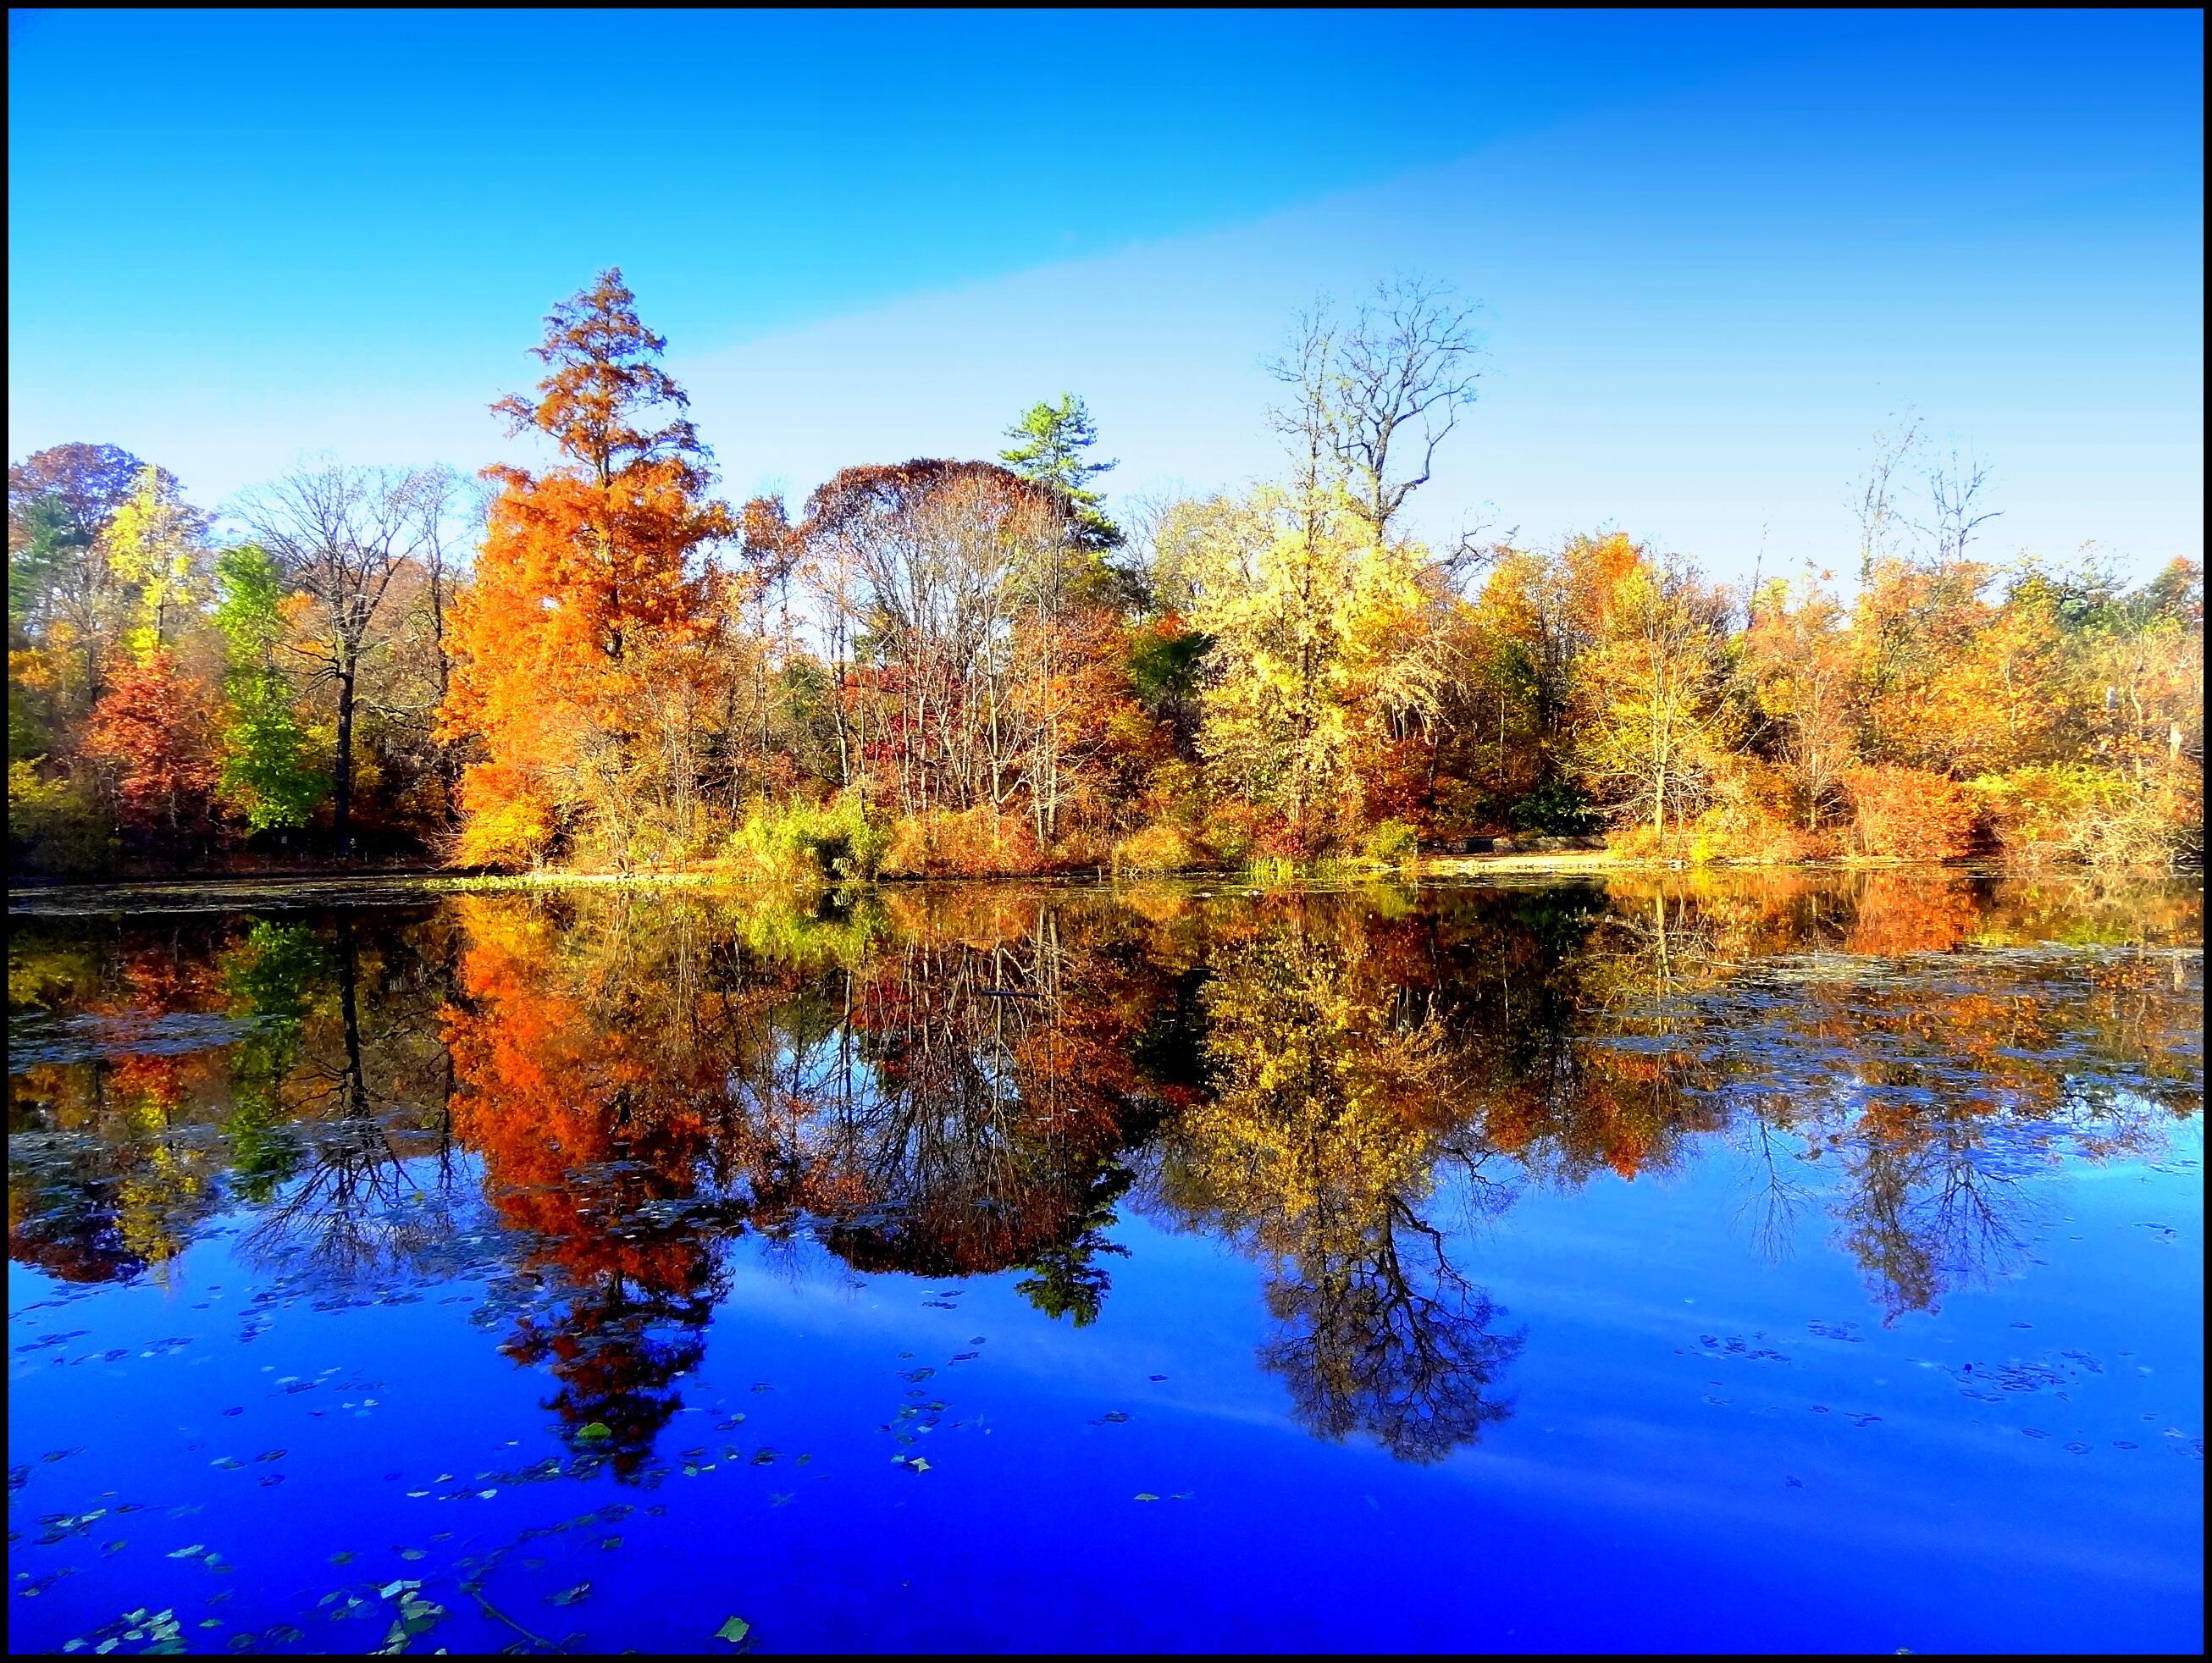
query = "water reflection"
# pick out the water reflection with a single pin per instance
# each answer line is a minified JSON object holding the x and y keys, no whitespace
{"x":583,"y":1098}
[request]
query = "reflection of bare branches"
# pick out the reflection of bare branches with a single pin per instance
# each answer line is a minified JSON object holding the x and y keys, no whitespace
{"x":1400,"y":1347}
{"x":359,"y":1211}
{"x":1927,"y":1214}
{"x":1774,"y":1197}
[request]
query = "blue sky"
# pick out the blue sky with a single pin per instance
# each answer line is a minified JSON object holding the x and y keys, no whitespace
{"x":1715,"y":253}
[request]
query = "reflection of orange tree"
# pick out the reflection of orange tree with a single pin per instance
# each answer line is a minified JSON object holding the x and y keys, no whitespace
{"x":588,"y":1113}
{"x":1334,"y":1094}
{"x":643,"y":1079}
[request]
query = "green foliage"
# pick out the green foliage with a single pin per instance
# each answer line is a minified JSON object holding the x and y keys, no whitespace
{"x":55,"y":827}
{"x":265,"y":775}
{"x":2079,"y":813}
{"x":1164,"y":670}
{"x":270,"y":977}
{"x":1392,"y":843}
{"x":1559,"y":807}
{"x":36,"y":562}
{"x":1050,"y":445}
{"x":802,"y":841}
{"x":271,"y":974}
{"x":249,"y":603}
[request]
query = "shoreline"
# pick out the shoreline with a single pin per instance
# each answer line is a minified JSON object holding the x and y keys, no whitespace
{"x":215,"y":891}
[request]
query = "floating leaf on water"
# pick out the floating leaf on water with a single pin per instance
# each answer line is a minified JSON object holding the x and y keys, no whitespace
{"x":597,"y":1432}
{"x":734,"y":1630}
{"x":570,"y":1596}
{"x":1147,"y":1495}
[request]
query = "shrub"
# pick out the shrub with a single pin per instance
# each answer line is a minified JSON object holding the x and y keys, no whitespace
{"x":1908,"y":814}
{"x":2074,"y":811}
{"x":55,"y":827}
{"x":1638,"y":843}
{"x":1233,"y":832}
{"x":800,"y":841}
{"x":1757,"y":818}
{"x":507,"y":823}
{"x":1160,"y":847}
{"x":973,"y":843}
{"x":1557,"y":807}
{"x":1392,"y":843}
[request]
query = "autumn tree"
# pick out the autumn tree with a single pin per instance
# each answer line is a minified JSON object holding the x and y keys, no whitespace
{"x":59,"y":502}
{"x":1313,"y":624}
{"x":964,"y":580}
{"x":583,"y":648}
{"x":341,"y":536}
{"x":152,"y":730}
{"x":1401,"y":374}
{"x":1654,"y":716}
{"x":1883,"y":523}
{"x":1798,"y":656}
{"x":153,"y":547}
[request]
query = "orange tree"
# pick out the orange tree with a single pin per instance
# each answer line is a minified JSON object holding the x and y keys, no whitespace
{"x":585,"y":661}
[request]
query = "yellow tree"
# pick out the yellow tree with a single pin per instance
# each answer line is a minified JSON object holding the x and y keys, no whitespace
{"x":152,"y":542}
{"x":1313,"y":620}
{"x":1653,"y":714}
{"x":1797,"y":653}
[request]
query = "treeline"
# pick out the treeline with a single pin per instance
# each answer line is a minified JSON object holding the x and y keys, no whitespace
{"x":942,"y":667}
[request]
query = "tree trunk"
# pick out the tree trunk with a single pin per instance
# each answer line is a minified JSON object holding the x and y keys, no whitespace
{"x":342,"y":767}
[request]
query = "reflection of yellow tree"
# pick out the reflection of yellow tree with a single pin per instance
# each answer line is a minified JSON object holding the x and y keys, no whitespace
{"x":163,"y":1186}
{"x":131,"y":1201}
{"x":1331,"y":1102}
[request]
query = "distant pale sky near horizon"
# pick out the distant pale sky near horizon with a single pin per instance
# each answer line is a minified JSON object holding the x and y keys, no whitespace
{"x":1715,"y":253}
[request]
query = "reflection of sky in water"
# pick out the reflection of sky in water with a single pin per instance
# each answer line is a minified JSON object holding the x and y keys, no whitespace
{"x":1726,"y":1291}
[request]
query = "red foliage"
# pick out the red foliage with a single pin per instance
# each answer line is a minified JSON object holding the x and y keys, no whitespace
{"x":154,"y":728}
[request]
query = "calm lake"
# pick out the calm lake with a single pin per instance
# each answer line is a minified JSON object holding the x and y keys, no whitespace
{"x":1802,"y":1262}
